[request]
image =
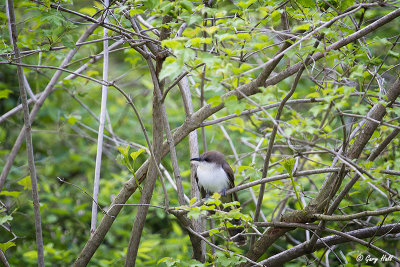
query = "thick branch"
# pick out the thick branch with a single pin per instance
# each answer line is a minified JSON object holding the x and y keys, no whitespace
{"x":302,"y":249}
{"x":356,"y":215}
{"x":148,"y":189}
{"x":197,"y":119}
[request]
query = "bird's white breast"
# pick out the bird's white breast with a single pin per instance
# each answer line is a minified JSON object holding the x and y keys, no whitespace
{"x":212,"y":177}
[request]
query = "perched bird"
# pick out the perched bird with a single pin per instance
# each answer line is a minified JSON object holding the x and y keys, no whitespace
{"x":214,"y":175}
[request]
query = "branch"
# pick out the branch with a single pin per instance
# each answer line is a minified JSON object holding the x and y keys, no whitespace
{"x":38,"y":105}
{"x":102,"y":118}
{"x":377,"y":112}
{"x":3,"y":259}
{"x":178,"y":79}
{"x":167,"y":129}
{"x":339,"y":238}
{"x":179,"y":216}
{"x":58,"y":69}
{"x":199,"y":246}
{"x":195,"y":121}
{"x":328,"y":188}
{"x":275,"y":129}
{"x":356,"y":215}
{"x":335,"y":46}
{"x":148,"y":189}
{"x":29,"y":145}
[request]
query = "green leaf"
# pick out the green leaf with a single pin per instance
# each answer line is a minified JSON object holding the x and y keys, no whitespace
{"x":134,"y":12}
{"x":192,"y":201}
{"x":10,"y":193}
{"x":344,"y":4}
{"x":123,"y":150}
{"x":169,"y":261}
{"x":199,"y":40}
{"x":32,"y":254}
{"x":306,"y":3}
{"x":245,"y":4}
{"x":368,"y":165}
{"x":187,"y":5}
{"x":7,"y":245}
{"x":244,"y":36}
{"x":176,"y":228}
{"x":212,"y":29}
{"x":55,"y":20}
{"x":225,"y":259}
{"x":171,"y":43}
{"x":193,"y":20}
{"x":136,"y":154}
{"x":26,"y":182}
{"x":47,"y":3}
{"x":4,"y":93}
{"x":195,"y":213}
{"x":214,"y":231}
{"x":230,"y":204}
{"x":150,"y":3}
{"x":215,"y":101}
{"x":167,"y":7}
{"x":6,"y":218}
{"x":302,"y":27}
{"x":67,"y":41}
{"x":45,"y":47}
{"x":288,"y":164}
{"x":359,"y":109}
{"x":242,"y":168}
{"x":88,"y":10}
{"x":214,"y":199}
{"x":73,"y":119}
{"x":171,"y":68}
{"x":226,"y":36}
{"x":394,"y":54}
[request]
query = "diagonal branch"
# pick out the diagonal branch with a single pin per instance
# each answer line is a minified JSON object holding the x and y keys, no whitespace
{"x":195,"y":121}
{"x":302,"y":249}
{"x":317,"y":204}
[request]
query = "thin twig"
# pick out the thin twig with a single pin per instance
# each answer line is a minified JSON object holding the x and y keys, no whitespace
{"x":356,"y":215}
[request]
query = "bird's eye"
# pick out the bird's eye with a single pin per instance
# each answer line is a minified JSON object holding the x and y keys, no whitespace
{"x":207,"y":160}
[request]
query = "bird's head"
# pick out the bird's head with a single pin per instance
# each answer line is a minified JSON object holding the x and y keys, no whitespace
{"x":210,"y":157}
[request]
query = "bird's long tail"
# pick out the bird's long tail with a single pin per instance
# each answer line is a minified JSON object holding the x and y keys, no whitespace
{"x":236,"y":233}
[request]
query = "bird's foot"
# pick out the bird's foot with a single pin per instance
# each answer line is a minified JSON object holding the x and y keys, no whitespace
{"x":223,"y":192}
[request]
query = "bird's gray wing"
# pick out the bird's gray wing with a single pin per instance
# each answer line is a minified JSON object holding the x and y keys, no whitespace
{"x":231,"y":177}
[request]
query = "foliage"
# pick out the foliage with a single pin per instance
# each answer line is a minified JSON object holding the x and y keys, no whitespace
{"x":222,"y":46}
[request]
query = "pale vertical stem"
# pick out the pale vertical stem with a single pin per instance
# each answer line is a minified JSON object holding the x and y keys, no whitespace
{"x":28,"y":134}
{"x":103,"y":112}
{"x":199,"y":224}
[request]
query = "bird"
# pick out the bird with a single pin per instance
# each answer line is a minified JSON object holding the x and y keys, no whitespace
{"x":215,"y":175}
